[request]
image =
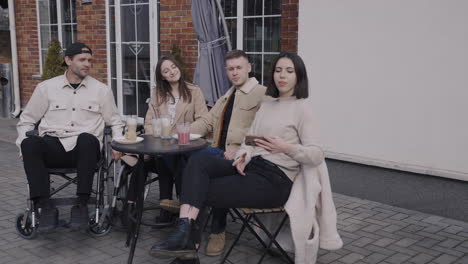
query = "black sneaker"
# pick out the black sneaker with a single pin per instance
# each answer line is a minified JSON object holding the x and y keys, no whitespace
{"x":79,"y":216}
{"x":48,"y":219}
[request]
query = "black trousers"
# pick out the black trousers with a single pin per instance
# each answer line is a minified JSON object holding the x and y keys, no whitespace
{"x":41,"y":153}
{"x":169,"y":172}
{"x":213,"y":181}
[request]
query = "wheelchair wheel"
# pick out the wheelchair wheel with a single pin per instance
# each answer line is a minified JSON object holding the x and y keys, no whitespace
{"x":24,"y":226}
{"x":98,"y":230}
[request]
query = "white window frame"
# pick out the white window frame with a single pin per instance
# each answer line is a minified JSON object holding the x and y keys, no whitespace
{"x":59,"y":28}
{"x":240,"y":31}
{"x":153,"y":26}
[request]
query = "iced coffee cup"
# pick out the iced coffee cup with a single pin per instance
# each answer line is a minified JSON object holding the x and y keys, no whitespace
{"x":165,"y":127}
{"x":156,"y":125}
{"x":132,"y":122}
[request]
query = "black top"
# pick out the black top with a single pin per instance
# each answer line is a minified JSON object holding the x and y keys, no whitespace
{"x":75,"y":85}
{"x":154,"y":146}
{"x":226,"y":120}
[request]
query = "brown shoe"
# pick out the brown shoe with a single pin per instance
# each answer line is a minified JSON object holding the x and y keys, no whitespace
{"x":215,"y":246}
{"x":170,"y":205}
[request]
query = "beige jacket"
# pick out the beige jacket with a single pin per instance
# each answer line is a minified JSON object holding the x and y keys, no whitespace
{"x":66,"y":112}
{"x":190,"y":111}
{"x":246,"y":104}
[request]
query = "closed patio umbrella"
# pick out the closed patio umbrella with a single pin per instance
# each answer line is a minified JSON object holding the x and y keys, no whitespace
{"x":210,"y":74}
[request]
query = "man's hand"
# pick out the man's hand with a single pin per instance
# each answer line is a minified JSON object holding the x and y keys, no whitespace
{"x":274,"y":144}
{"x":116,"y":154}
{"x":240,"y":164}
{"x":229,"y":155}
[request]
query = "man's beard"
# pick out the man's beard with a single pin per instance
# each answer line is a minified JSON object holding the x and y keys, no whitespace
{"x":78,"y":73}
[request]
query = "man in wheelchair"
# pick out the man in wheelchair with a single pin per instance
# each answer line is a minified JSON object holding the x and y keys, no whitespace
{"x":72,"y":110}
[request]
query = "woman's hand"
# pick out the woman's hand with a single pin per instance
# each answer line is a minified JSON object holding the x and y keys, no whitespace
{"x":240,"y":164}
{"x":274,"y":144}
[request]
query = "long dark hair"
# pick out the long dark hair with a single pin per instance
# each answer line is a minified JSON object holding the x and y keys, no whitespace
{"x":163,"y":87}
{"x":301,"y":90}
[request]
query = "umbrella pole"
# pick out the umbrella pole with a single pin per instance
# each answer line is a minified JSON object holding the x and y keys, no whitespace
{"x":223,"y":21}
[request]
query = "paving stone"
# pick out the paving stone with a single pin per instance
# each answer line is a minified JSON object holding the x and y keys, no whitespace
{"x":351,"y":258}
{"x":445,"y":259}
{"x":398,"y":258}
{"x":421,"y":258}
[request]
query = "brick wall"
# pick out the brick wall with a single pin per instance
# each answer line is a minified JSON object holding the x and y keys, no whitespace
{"x":28,"y":47}
{"x":289,"y":25}
{"x":91,"y":29}
{"x":176,"y":27}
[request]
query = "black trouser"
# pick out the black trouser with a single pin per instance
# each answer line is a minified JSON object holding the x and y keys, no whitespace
{"x":213,"y":181}
{"x":40,"y":153}
{"x":168,"y":169}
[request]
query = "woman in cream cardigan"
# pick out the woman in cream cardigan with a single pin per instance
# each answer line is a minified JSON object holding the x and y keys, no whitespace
{"x":274,"y":171}
{"x":182,"y":102}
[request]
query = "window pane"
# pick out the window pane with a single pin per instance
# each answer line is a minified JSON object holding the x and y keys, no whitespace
{"x":143,"y":60}
{"x":142,"y":13}
{"x":44,"y":54}
{"x":253,"y":7}
{"x":253,"y":34}
{"x":73,"y":11}
{"x":232,"y":28}
{"x":67,"y":36}
{"x":143,"y":94}
{"x":129,"y":61}
{"x":272,"y":34}
{"x":128,"y":23}
{"x":229,"y":8}
{"x":113,"y":56}
{"x":129,"y":97}
{"x":272,"y":7}
{"x":53,"y":11}
{"x":74,"y":33}
{"x":44,"y":12}
{"x":127,"y":2}
{"x":256,"y":61}
{"x":114,"y":89}
{"x":45,"y":36}
{"x":112,"y":23}
{"x":267,"y":67}
{"x":66,"y":11}
{"x":53,"y":32}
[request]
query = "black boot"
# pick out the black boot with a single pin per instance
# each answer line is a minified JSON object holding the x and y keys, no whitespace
{"x":179,"y":244}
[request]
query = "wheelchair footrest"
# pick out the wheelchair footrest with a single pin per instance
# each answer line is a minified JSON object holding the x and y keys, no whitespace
{"x":69,"y":201}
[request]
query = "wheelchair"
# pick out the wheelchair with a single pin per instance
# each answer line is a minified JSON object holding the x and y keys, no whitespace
{"x":99,"y":223}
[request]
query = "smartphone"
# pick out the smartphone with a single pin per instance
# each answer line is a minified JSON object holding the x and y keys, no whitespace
{"x":250,"y":140}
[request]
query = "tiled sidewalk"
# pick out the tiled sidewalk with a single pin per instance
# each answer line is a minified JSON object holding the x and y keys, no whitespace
{"x":372,"y":232}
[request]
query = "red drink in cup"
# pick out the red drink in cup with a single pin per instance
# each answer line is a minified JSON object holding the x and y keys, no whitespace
{"x":183,"y":133}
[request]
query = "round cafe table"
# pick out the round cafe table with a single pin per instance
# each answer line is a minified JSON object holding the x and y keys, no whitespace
{"x":151,"y":146}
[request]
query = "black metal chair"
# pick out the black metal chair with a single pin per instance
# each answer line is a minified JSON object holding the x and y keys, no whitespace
{"x":249,"y":218}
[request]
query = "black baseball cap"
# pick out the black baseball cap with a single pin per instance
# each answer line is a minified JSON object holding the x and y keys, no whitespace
{"x":76,"y":48}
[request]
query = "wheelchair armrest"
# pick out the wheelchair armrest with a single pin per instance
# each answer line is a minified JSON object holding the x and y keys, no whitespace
{"x":32,"y":133}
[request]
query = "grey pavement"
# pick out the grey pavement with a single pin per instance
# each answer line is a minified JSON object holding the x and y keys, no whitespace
{"x":373,"y":232}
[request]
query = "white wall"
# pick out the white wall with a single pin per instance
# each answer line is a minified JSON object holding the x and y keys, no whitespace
{"x":390,"y":81}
